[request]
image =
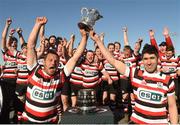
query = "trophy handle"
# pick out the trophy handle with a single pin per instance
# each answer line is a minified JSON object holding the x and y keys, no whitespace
{"x":84,"y":11}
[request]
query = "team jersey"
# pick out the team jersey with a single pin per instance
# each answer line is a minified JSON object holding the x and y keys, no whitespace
{"x":91,"y":74}
{"x":141,"y":65}
{"x":22,"y":71}
{"x":170,"y":65}
{"x":130,"y":62}
{"x":42,"y":97}
{"x":10,"y":65}
{"x":113,"y":73}
{"x":1,"y":73}
{"x":118,"y":55}
{"x":76,"y":76}
{"x":62,"y":62}
{"x":151,"y":91}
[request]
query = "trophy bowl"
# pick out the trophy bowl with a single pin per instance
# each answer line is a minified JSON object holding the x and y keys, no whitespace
{"x":84,"y":26}
{"x":89,"y":17}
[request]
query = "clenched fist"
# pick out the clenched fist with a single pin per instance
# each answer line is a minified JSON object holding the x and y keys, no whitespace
{"x":41,"y":20}
{"x":8,"y":21}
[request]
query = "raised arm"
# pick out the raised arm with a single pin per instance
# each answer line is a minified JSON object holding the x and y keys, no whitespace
{"x":32,"y":40}
{"x":120,"y":67}
{"x":79,"y":51}
{"x":137,"y":46}
{"x":167,"y":37}
{"x":64,"y":49}
{"x":4,"y":34}
{"x":102,"y":35}
{"x":71,"y":45}
{"x":21,"y":38}
{"x":152,"y":39}
{"x":126,"y":41}
{"x":41,"y":50}
{"x":41,"y":32}
{"x":11,"y":33}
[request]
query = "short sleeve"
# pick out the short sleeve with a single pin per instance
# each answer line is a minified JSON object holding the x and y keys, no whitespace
{"x":171,"y":87}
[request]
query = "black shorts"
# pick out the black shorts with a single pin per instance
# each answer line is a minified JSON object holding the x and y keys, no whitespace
{"x":75,"y":88}
{"x":105,"y":86}
{"x":66,"y":90}
{"x":113,"y":88}
{"x":21,"y":89}
{"x":125,"y":85}
{"x":177,"y":87}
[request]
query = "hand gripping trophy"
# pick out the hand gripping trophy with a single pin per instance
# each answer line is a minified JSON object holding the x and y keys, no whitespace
{"x":89,"y":17}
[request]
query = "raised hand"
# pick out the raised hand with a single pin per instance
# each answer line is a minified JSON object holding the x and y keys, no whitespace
{"x":41,"y":20}
{"x":102,"y":36}
{"x":124,"y":29}
{"x":151,"y":33}
{"x":8,"y":21}
{"x":72,"y":37}
{"x":94,"y":36}
{"x":64,"y":42}
{"x":19,"y":30}
{"x":12,"y":31}
{"x":140,"y":40}
{"x":83,"y":33}
{"x":166,"y":31}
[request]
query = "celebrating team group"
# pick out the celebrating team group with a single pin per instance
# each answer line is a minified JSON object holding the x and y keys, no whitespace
{"x":39,"y":83}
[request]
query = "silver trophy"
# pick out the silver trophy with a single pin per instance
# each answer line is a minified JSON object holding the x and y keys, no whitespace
{"x":89,"y":17}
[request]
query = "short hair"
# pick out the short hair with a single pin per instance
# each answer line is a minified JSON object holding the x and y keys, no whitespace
{"x":46,"y":39}
{"x":110,"y":44}
{"x":163,"y":44}
{"x":51,"y":51}
{"x":52,"y":36}
{"x":150,"y":49}
{"x":170,"y":48}
{"x":89,"y":51}
{"x":127,"y":47}
{"x":59,"y":38}
{"x":14,"y":39}
{"x":117,"y":43}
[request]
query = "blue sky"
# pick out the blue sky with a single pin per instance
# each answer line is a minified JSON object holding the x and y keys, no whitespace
{"x":63,"y":15}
